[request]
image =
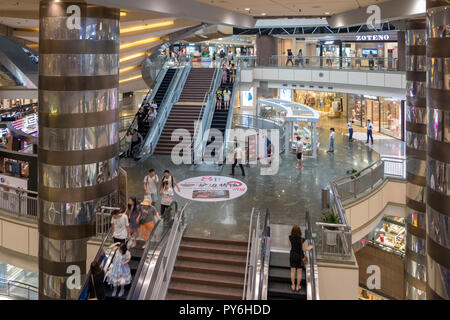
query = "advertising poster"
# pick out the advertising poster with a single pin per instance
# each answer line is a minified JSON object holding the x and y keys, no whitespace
{"x":211,"y":188}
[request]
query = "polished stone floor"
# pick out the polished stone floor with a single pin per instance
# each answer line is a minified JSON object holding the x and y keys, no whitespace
{"x":288,"y":194}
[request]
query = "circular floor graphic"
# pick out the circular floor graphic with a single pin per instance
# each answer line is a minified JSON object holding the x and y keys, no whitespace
{"x":211,"y":188}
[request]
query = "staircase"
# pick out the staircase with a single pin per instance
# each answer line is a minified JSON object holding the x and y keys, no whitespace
{"x":280,"y":279}
{"x":136,"y":254}
{"x":159,"y":97}
{"x":208,"y":269}
{"x":184,"y":113}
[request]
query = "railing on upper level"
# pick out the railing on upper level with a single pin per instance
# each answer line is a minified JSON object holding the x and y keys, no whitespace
{"x":18,"y":289}
{"x":335,"y":239}
{"x":19,"y":202}
{"x":330,"y":62}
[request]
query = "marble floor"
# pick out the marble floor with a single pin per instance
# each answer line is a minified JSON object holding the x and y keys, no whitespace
{"x":288,"y":194}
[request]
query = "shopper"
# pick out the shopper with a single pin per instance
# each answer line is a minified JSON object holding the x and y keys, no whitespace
{"x":290,"y":57}
{"x":128,"y":139}
{"x":224,"y":73}
{"x":151,"y":115}
{"x":119,"y":274}
{"x":300,"y":57}
{"x":141,"y":118}
{"x":299,"y":152}
{"x":154,"y":105}
{"x":226,"y":98}
{"x":133,"y":213}
{"x":237,"y":160}
{"x":371,"y":61}
{"x":136,"y":140}
{"x":166,"y":197}
{"x":332,"y":135}
{"x":219,"y":99}
{"x":369,"y":132}
{"x":120,"y":226}
{"x":171,"y":180}
{"x":233,"y":73}
{"x":350,"y":130}
{"x":296,"y":256}
{"x":96,"y":289}
{"x":146,"y":218}
{"x":150,"y":182}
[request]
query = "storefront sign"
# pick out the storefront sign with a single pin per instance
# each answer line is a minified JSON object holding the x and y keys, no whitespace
{"x":374,"y":37}
{"x":211,"y":188}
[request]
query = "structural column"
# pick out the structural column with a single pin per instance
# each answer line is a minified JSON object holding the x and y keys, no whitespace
{"x":416,"y":143}
{"x":438,"y":158}
{"x":78,"y":136}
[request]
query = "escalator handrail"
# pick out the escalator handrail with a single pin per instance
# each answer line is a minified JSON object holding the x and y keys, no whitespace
{"x":145,"y":256}
{"x":265,"y":257}
{"x":174,"y":90}
{"x":311,"y":255}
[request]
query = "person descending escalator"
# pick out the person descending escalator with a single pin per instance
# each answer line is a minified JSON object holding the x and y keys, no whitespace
{"x":297,"y":256}
{"x":96,"y":288}
{"x":119,"y":274}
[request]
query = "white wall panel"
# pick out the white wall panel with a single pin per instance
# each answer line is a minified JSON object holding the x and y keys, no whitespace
{"x":320,"y":76}
{"x":393,"y":80}
{"x":375,"y":79}
{"x":358,"y":78}
{"x":286,"y":74}
{"x":339,"y":77}
{"x":302,"y":75}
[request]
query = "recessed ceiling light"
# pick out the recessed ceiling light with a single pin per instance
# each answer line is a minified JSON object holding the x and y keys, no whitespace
{"x":248,"y":9}
{"x":327,"y":13}
{"x":263,"y":14}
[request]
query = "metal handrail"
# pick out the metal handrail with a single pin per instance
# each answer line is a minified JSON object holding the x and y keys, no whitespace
{"x":313,"y":292}
{"x":265,"y":258}
{"x":244,"y":290}
{"x":251,"y":281}
{"x":18,"y":284}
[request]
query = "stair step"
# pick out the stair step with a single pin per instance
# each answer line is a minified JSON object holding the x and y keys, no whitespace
{"x":179,"y":296}
{"x":214,"y":245}
{"x":283,"y":290}
{"x":213,"y":249}
{"x":208,"y":279}
{"x":213,"y":240}
{"x":211,"y":257}
{"x":205,"y":290}
{"x":212,"y":268}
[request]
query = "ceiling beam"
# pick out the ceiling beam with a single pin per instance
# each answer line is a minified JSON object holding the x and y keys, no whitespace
{"x":188,"y":9}
{"x":390,"y":11}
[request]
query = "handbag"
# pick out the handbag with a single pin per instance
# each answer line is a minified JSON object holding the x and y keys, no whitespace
{"x":304,"y":260}
{"x":93,"y":286}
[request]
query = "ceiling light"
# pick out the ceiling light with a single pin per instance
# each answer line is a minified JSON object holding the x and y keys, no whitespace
{"x":327,"y":13}
{"x":127,"y":69}
{"x":148,"y":26}
{"x":139,"y":42}
{"x":123,"y":13}
{"x":132,"y":56}
{"x":131,"y":78}
{"x":263,"y":14}
{"x":247,"y":9}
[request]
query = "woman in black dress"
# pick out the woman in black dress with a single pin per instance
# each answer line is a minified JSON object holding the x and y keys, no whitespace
{"x":296,"y":256}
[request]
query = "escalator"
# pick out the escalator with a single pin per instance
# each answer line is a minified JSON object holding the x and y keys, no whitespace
{"x":144,"y":127}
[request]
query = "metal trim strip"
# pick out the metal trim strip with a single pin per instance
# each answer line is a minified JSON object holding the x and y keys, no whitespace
{"x":439,"y":202}
{"x":78,"y":46}
{"x":78,"y":120}
{"x":79,"y":157}
{"x":78,"y":83}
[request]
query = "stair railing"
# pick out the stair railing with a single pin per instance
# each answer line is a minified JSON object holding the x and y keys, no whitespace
{"x":172,"y":96}
{"x":251,"y":283}
{"x":312,"y":271}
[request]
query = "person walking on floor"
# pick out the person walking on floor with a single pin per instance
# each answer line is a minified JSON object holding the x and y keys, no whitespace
{"x":170,"y":180}
{"x":237,"y":160}
{"x":133,"y":213}
{"x":300,"y":57}
{"x":120,"y":226}
{"x":296,"y":256}
{"x":147,"y":216}
{"x":119,"y":274}
{"x":299,"y":152}
{"x":332,"y":135}
{"x":166,"y":197}
{"x":350,"y":130}
{"x":96,"y":289}
{"x":290,"y":57}
{"x":369,"y":132}
{"x":150,"y":182}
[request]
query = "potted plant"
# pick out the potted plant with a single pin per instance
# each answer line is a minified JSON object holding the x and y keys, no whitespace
{"x":331,"y":218}
{"x":352,"y":172}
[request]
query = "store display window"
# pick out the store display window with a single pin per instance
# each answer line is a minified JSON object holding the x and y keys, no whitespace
{"x":390,"y":235}
{"x":355,"y":109}
{"x":391,"y":117}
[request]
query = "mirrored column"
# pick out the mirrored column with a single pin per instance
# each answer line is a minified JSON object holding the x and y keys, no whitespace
{"x":438,"y":158}
{"x":416,"y":143}
{"x":78,"y":136}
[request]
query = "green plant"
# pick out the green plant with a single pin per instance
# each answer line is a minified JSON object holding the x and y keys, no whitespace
{"x":331,"y":218}
{"x":352,"y":172}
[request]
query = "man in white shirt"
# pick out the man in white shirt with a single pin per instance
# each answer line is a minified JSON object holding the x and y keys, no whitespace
{"x":166,"y":197}
{"x":120,"y":226}
{"x":150,"y":182}
{"x":332,"y":135}
{"x":350,"y":131}
{"x":237,"y":160}
{"x":369,"y":132}
{"x":299,"y":152}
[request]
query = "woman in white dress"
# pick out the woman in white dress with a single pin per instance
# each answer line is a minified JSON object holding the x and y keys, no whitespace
{"x":119,"y":273}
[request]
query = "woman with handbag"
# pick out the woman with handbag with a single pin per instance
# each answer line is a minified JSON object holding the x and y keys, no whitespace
{"x":146,"y":219}
{"x":297,"y":258}
{"x":96,"y":289}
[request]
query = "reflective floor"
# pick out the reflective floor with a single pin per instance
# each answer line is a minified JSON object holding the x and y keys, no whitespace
{"x":288,"y":194}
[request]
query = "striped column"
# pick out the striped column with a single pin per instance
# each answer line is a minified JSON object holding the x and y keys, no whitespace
{"x":78,"y":135}
{"x":416,"y":143}
{"x":438,"y":158}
